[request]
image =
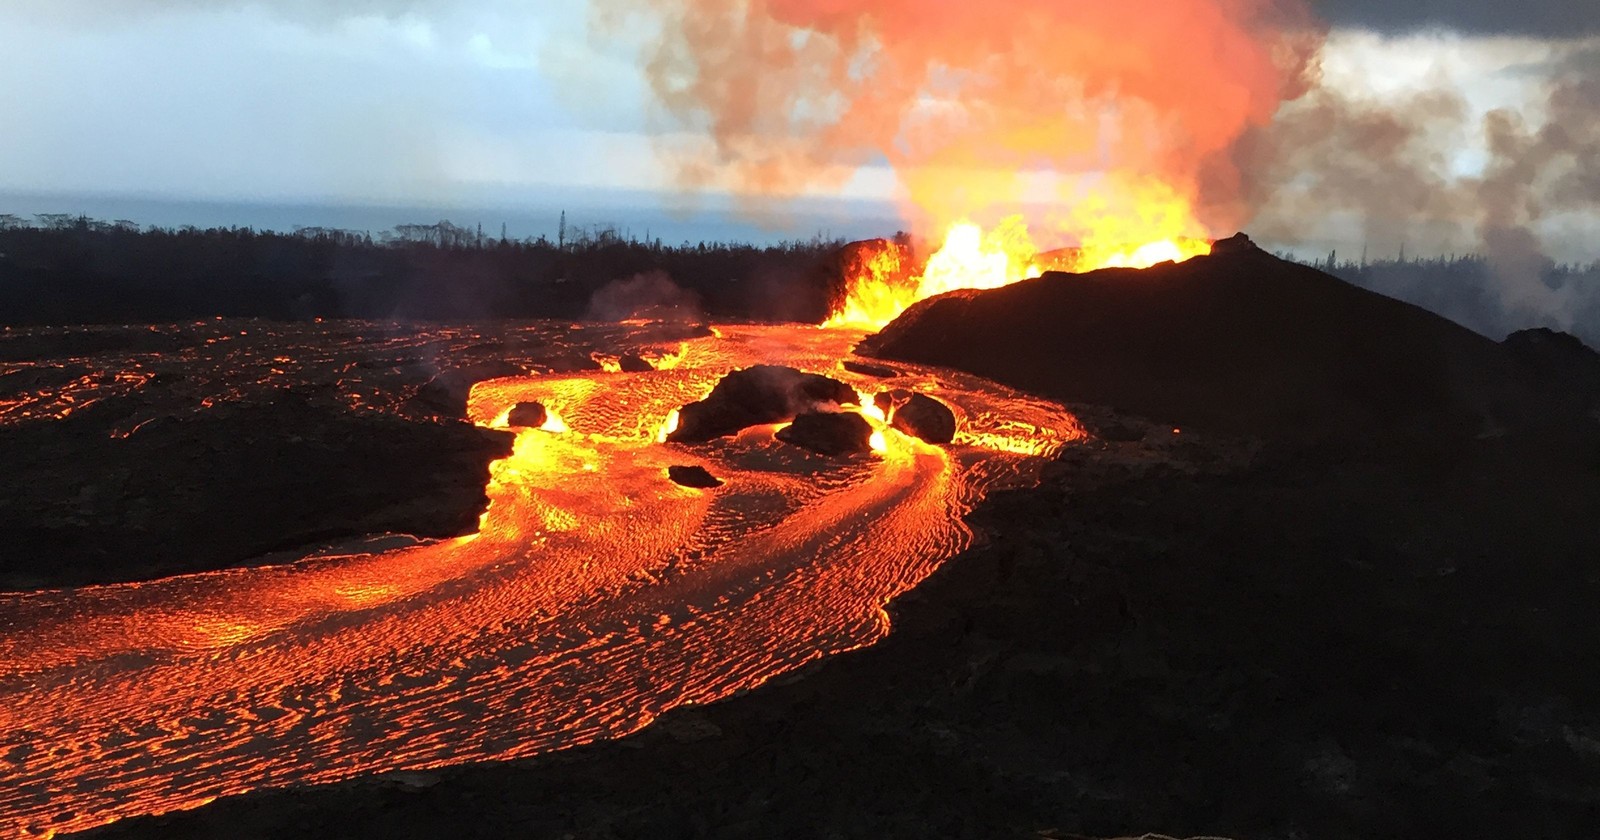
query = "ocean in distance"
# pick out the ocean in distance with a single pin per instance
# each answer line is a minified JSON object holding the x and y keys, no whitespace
{"x":632,"y":215}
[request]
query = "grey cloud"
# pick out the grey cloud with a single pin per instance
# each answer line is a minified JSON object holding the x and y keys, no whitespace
{"x":1389,"y":165}
{"x":1541,"y":18}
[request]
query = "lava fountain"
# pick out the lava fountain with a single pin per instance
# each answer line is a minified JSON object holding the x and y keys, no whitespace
{"x":879,"y":286}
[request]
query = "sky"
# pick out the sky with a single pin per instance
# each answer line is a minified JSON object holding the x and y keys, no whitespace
{"x":506,"y":102}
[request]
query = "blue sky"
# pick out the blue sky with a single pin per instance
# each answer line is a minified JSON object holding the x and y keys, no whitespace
{"x":243,"y":102}
{"x":429,"y":101}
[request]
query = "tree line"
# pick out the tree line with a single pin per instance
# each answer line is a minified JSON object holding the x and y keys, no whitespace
{"x":72,"y":269}
{"x":65,"y":269}
{"x":1478,"y":293}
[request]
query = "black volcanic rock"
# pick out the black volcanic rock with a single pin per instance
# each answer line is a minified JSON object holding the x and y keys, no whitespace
{"x":1562,"y":363}
{"x":865,"y":369}
{"x":632,"y":363}
{"x":1239,"y":341}
{"x":527,"y":415}
{"x":693,"y":476}
{"x":1238,"y":243}
{"x":835,"y":433}
{"x":888,"y":401}
{"x":924,"y":417}
{"x":1118,"y":431}
{"x":573,"y":363}
{"x":754,"y":396}
{"x":228,"y":485}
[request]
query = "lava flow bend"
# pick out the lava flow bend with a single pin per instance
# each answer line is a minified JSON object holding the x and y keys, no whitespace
{"x":596,"y":595}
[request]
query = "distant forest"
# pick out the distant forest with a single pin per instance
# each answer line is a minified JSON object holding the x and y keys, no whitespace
{"x":1472,"y":291}
{"x":66,"y":269}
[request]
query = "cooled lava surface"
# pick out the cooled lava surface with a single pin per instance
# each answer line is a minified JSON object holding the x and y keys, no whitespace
{"x":596,"y":594}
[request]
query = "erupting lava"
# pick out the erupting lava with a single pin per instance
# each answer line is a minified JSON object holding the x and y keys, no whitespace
{"x":1128,"y":120}
{"x":879,"y":286}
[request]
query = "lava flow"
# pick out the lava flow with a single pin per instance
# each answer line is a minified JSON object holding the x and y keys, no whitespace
{"x":596,"y":595}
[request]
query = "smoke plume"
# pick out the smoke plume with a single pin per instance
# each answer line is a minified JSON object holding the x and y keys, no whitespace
{"x":1393,"y":167}
{"x":650,"y":295}
{"x":977,"y":107}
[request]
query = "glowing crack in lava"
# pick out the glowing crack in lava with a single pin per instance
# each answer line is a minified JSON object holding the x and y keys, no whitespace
{"x":597,"y":595}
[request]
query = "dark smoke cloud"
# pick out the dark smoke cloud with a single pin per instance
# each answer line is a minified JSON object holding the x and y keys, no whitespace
{"x":1540,"y":18}
{"x":1392,"y":165}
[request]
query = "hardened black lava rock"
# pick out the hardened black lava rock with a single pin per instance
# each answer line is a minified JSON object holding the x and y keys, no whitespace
{"x":924,"y":417}
{"x":839,"y":433}
{"x":755,"y":396}
{"x":527,"y":415}
{"x":694,"y":476}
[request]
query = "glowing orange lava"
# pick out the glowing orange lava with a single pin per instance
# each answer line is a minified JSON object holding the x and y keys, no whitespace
{"x":876,"y":291}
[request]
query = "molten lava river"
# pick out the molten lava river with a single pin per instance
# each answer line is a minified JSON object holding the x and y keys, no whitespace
{"x":596,"y":595}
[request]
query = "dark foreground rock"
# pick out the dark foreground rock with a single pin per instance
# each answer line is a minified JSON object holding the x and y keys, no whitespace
{"x":829,"y":433}
{"x":1336,"y":643}
{"x":755,"y":396}
{"x":227,"y":485}
{"x":1562,"y":363}
{"x":694,"y":476}
{"x":1240,"y":342}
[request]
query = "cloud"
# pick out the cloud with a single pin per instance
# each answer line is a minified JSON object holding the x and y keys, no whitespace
{"x":102,"y":13}
{"x":1423,"y":165}
{"x":1543,"y":18}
